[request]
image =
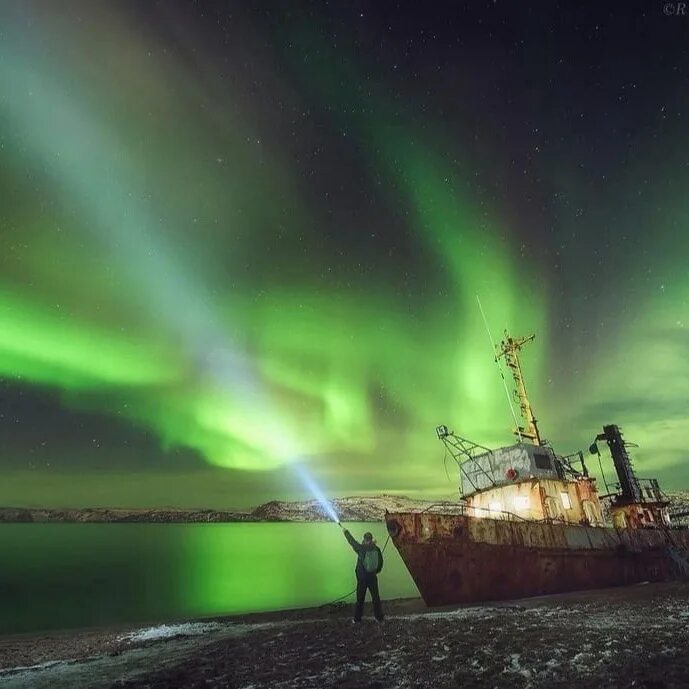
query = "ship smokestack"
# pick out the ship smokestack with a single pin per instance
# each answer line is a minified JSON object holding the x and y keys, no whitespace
{"x":630,"y":490}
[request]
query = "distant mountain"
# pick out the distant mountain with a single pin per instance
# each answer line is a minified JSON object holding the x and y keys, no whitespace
{"x":359,"y":509}
{"x":351,"y":509}
{"x":121,"y":514}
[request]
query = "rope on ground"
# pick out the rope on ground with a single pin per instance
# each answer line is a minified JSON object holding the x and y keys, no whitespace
{"x":347,"y":595}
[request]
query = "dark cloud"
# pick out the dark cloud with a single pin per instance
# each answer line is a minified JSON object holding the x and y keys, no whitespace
{"x":37,"y":431}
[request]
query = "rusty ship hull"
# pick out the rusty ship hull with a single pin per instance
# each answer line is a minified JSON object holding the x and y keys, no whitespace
{"x":464,"y":559}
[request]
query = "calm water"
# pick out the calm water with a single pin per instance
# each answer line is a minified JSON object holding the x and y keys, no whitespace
{"x":74,"y":575}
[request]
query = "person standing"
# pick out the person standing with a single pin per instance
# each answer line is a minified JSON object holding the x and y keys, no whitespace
{"x":369,"y":563}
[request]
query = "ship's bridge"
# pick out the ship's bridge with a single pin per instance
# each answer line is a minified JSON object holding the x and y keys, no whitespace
{"x":508,"y":465}
{"x":523,"y":481}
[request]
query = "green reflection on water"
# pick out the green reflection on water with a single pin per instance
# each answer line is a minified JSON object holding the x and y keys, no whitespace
{"x":74,"y":575}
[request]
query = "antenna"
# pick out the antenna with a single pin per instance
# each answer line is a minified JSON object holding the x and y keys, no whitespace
{"x":502,"y":375}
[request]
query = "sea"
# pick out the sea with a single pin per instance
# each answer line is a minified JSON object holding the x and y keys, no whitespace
{"x":67,"y":576}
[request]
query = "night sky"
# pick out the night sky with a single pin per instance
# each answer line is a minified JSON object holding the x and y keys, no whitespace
{"x":235,"y":237}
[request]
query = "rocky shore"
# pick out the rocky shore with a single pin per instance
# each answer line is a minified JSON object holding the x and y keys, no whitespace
{"x":608,"y":639}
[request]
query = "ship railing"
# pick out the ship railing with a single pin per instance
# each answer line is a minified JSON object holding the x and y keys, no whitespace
{"x":456,"y":506}
{"x":649,"y":491}
{"x":466,"y":510}
{"x":678,"y":515}
{"x":650,"y":487}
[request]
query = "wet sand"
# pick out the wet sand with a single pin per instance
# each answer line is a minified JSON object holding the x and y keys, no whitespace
{"x":626,"y":637}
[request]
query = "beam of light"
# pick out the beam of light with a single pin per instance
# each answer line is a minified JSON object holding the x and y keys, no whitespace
{"x":82,"y":159}
{"x":306,"y":478}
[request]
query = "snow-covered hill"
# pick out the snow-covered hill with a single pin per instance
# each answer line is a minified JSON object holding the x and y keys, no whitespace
{"x":349,"y":509}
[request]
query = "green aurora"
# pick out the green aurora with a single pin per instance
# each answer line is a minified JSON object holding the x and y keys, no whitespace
{"x":180,"y":275}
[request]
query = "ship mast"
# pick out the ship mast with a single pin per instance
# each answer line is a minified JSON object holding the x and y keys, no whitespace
{"x":509,"y":348}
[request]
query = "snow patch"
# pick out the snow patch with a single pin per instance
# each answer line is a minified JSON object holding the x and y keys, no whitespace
{"x":461,"y":613}
{"x":30,"y":668}
{"x":227,"y":629}
{"x":166,"y":631}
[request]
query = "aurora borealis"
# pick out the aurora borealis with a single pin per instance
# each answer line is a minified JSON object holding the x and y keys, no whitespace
{"x":235,"y":237}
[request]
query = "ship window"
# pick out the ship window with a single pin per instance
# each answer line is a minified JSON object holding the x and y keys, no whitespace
{"x":589,"y":511}
{"x":620,"y":520}
{"x":566,"y":502}
{"x":552,"y":509}
{"x":542,"y":460}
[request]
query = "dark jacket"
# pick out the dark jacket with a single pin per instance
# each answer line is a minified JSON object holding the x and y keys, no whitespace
{"x":360,"y":549}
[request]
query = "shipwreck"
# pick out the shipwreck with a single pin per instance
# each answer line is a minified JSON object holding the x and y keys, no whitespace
{"x":531,"y":522}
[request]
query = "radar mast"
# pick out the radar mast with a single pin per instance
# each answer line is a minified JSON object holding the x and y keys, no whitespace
{"x":509,"y":349}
